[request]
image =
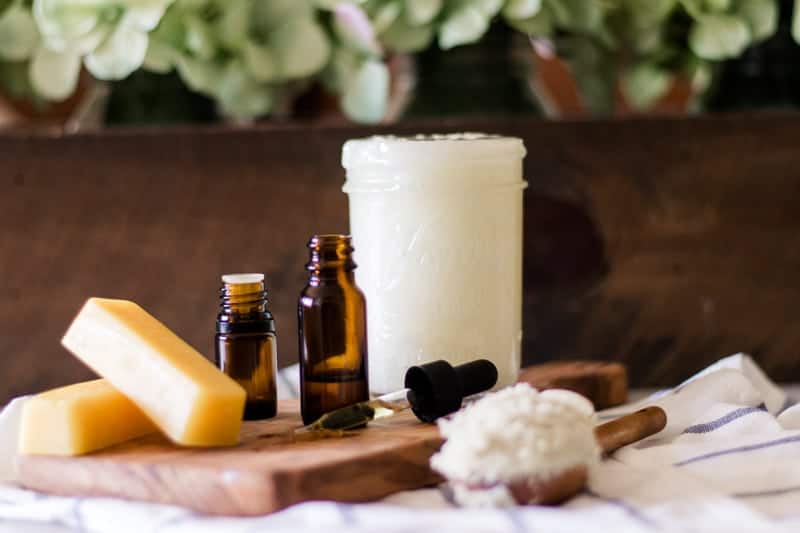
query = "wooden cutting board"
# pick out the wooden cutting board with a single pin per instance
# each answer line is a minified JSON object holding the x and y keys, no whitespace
{"x":267,"y":471}
{"x":604,"y":383}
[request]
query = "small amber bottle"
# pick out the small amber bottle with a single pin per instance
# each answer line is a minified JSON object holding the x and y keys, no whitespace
{"x":332,"y":316}
{"x":246,"y":345}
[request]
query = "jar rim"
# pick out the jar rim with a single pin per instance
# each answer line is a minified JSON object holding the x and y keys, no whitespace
{"x":432,"y":149}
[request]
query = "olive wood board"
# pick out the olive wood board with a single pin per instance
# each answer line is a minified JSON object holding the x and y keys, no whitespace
{"x":604,"y":383}
{"x":267,"y":471}
{"x":264,"y":473}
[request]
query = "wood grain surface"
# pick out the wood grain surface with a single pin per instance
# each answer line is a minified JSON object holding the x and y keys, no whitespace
{"x":664,"y":244}
{"x":268,"y":470}
{"x":633,"y":427}
{"x":265,"y":473}
{"x":605,"y":384}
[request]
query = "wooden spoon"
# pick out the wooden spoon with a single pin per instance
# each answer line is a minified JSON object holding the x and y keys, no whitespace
{"x":610,"y":437}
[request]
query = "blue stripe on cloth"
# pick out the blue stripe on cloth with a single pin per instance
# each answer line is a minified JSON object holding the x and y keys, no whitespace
{"x":77,"y":515}
{"x":346,"y":513}
{"x":766,"y":493}
{"x":516,"y":520}
{"x":171,"y":522}
{"x":629,"y":509}
{"x":708,"y":427}
{"x":447,"y":493}
{"x":740,"y":449}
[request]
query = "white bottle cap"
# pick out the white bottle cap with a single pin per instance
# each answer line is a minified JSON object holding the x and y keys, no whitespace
{"x":239,"y":279}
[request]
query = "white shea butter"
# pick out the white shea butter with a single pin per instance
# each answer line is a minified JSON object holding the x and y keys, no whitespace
{"x":437,"y":230}
{"x":516,"y":433}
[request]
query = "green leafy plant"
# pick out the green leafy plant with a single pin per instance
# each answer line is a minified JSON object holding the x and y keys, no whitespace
{"x":58,"y":37}
{"x":718,"y":30}
{"x":796,"y":21}
{"x":643,"y":45}
{"x":243,"y":54}
{"x":252,"y":57}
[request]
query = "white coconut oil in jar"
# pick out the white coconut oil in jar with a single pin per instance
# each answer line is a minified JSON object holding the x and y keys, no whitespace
{"x":436,"y":223}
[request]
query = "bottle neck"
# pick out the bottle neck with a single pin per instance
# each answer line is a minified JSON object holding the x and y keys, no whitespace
{"x":331,"y":274}
{"x":330,"y":259}
{"x":243,"y":307}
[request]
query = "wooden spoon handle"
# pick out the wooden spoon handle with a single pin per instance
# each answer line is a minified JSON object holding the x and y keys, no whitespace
{"x":630,"y":428}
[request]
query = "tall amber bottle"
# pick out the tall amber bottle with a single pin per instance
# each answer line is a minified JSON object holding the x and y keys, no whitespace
{"x":246,"y":345}
{"x":332,"y":316}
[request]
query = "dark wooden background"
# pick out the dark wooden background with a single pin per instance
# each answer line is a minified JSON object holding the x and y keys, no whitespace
{"x":665,"y":244}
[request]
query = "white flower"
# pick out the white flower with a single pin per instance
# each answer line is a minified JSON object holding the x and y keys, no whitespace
{"x":248,"y":55}
{"x":353,"y":27}
{"x":109,"y":36}
{"x":18,"y":34}
{"x":365,"y":94}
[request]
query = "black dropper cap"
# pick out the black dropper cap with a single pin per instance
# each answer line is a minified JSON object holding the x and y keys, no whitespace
{"x":438,"y":388}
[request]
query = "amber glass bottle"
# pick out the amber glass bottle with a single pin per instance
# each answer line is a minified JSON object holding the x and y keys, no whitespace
{"x":246,"y":348}
{"x":332,"y":317}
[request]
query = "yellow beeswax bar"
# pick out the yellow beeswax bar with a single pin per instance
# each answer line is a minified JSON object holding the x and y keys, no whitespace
{"x":80,"y":418}
{"x":187,"y":397}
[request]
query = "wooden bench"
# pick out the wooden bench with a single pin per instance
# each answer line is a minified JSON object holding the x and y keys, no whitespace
{"x":664,"y":244}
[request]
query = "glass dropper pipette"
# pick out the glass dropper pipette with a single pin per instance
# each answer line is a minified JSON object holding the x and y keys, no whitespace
{"x":358,"y":414}
{"x":432,"y":390}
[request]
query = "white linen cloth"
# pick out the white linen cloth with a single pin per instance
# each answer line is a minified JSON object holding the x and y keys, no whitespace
{"x":728,"y":460}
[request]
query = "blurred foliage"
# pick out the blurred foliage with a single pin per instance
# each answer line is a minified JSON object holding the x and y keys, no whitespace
{"x":253,"y":57}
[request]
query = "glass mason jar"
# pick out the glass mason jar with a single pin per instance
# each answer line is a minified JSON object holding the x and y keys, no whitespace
{"x":436,"y":223}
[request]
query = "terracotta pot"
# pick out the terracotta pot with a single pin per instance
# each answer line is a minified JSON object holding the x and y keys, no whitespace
{"x":559,"y":96}
{"x":83,"y":110}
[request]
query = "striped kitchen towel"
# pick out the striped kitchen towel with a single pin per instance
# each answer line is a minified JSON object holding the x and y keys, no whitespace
{"x":728,"y":460}
{"x":730,"y":453}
